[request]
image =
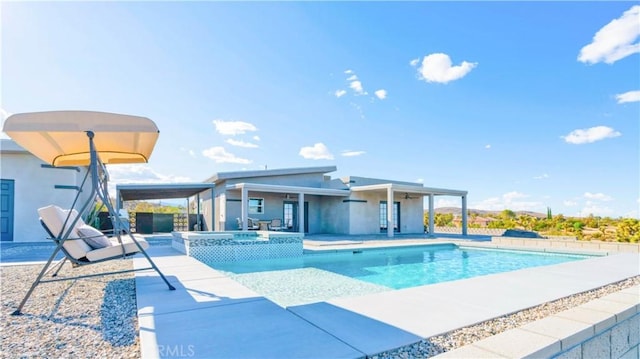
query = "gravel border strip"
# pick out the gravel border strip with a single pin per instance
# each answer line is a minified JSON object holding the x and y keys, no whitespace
{"x":460,"y":337}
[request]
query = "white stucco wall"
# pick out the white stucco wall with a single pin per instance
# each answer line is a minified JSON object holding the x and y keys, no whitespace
{"x":34,"y":188}
{"x":365,"y":216}
{"x":334,"y":215}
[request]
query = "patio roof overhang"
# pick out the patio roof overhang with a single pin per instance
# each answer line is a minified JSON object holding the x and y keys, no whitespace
{"x":424,"y":191}
{"x":136,"y":192}
{"x":289,"y":189}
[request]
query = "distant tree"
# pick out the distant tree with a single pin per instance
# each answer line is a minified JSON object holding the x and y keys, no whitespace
{"x":507,"y":214}
{"x":592,"y":221}
{"x":527,"y":222}
{"x":443,"y":219}
{"x":549,"y":216}
{"x":628,"y":230}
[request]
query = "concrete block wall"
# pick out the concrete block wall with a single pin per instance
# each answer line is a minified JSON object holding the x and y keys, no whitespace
{"x":480,"y":231}
{"x":567,"y":244}
{"x":608,"y":327}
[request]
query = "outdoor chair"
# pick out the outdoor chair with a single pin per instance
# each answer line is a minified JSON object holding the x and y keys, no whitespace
{"x":276,"y":225}
{"x":253,"y":223}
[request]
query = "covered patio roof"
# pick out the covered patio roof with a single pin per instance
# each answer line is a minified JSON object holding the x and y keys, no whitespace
{"x":289,"y":189}
{"x":135,"y":192}
{"x":410,"y":189}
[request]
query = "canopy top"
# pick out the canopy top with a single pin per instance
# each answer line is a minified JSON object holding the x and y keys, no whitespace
{"x":60,"y":138}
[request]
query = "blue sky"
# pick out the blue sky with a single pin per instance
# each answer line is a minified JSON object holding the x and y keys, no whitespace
{"x":525,"y":105}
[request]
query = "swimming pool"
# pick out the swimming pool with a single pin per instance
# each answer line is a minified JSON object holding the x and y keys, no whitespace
{"x":314,"y":277}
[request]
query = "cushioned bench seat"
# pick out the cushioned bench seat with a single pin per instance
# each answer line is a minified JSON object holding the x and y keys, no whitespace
{"x":80,"y":247}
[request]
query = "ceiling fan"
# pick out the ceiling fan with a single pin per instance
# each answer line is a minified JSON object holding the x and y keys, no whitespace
{"x":406,"y":196}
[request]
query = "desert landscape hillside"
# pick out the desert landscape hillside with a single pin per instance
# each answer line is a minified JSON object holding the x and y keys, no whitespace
{"x":481,"y":212}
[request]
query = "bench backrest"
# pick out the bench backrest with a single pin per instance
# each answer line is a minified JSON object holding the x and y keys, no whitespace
{"x":54,"y":217}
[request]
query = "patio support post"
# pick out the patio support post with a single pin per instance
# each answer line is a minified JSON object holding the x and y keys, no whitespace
{"x":390,"y":212}
{"x":464,"y":215}
{"x":188,"y":213}
{"x":117,"y":228}
{"x":301,"y":212}
{"x":212,"y":216}
{"x":431,"y":214}
{"x":245,"y":208}
{"x":198,"y":222}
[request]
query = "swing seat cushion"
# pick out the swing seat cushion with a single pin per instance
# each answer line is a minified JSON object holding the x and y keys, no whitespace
{"x":94,"y":238}
{"x":53,"y":217}
{"x":115,"y":249}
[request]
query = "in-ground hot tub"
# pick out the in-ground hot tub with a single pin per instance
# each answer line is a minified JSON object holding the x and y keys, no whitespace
{"x":233,"y":246}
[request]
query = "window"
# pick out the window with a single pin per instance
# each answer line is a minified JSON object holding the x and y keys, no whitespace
{"x":288,"y":215}
{"x":256,"y":205}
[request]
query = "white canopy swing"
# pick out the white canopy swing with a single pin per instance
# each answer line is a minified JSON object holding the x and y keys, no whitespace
{"x":92,"y":139}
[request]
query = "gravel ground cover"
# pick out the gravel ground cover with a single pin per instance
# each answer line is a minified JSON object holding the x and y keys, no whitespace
{"x":84,"y":318}
{"x":442,"y":343}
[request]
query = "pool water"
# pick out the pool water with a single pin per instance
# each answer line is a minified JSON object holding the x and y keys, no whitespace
{"x":315,"y":277}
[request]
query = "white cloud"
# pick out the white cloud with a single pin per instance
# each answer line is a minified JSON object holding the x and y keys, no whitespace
{"x":352,"y":78}
{"x":358,"y":108}
{"x":441,"y":202}
{"x":139,"y":174}
{"x":510,"y":196}
{"x":220,"y":155}
{"x":316,"y":152}
{"x":381,"y":94}
{"x":437,"y":68}
{"x":634,"y":213}
{"x":3,"y":116}
{"x":597,"y":196}
{"x":594,"y":209}
{"x":340,"y":93}
{"x":239,"y":143}
{"x":542,"y":176}
{"x":348,"y":71}
{"x":510,"y":200}
{"x":631,"y":96}
{"x":487,"y":147}
{"x":256,"y":138}
{"x":420,"y":180}
{"x":233,"y":127}
{"x":356,"y":86}
{"x":590,"y":135}
{"x":570,"y":203}
{"x":414,"y":62}
{"x":615,"y":40}
{"x":352,"y":153}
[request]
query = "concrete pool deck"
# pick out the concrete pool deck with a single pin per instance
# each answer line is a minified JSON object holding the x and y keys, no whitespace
{"x":210,"y":315}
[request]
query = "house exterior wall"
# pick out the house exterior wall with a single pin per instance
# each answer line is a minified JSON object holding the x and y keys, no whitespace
{"x":364,"y":213}
{"x":34,"y":188}
{"x":365,"y":216}
{"x":334,"y":215}
{"x":207,"y":211}
{"x":228,"y":203}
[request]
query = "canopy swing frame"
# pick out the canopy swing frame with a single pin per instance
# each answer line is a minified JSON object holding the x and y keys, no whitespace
{"x":99,"y":190}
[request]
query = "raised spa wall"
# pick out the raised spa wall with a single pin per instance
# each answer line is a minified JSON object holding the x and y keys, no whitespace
{"x":234,"y":246}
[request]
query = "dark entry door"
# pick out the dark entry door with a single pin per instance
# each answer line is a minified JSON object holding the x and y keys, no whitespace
{"x":6,"y":209}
